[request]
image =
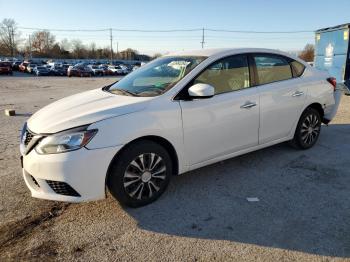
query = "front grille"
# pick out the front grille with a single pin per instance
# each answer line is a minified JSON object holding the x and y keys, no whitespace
{"x":62,"y":188}
{"x":28,"y":137}
{"x":29,"y":140}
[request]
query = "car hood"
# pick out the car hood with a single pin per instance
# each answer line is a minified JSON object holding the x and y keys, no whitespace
{"x":82,"y":109}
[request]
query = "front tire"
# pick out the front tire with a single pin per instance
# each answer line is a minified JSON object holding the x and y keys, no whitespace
{"x":140,"y":174}
{"x":308,"y":129}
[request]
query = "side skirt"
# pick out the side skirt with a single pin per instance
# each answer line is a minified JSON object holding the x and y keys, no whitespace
{"x":238,"y":153}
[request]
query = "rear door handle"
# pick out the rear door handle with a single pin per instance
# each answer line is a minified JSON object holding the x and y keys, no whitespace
{"x":297,"y":93}
{"x":248,"y":105}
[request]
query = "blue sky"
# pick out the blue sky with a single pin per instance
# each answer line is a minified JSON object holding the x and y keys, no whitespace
{"x":272,"y":15}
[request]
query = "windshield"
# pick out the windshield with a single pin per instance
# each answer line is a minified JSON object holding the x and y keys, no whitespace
{"x":156,"y":77}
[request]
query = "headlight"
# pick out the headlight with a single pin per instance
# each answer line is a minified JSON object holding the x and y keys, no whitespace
{"x":65,"y":141}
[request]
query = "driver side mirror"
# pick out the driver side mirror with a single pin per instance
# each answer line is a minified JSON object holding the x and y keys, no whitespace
{"x":201,"y":91}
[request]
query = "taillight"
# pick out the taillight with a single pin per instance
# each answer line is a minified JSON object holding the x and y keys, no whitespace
{"x":332,"y":81}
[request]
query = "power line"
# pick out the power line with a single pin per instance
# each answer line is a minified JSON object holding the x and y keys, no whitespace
{"x":107,"y":29}
{"x":258,"y":32}
{"x":258,"y":38}
{"x":157,"y":31}
{"x":63,"y":30}
{"x":169,"y":30}
{"x":167,"y":35}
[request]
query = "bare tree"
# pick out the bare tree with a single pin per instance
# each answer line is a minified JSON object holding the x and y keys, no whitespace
{"x":92,"y":50}
{"x":128,"y":54}
{"x":78,"y":49}
{"x":308,"y":53}
{"x":65,"y":44}
{"x":56,"y":51}
{"x":42,"y":41}
{"x":156,"y":55}
{"x":9,"y":36}
{"x":42,"y":44}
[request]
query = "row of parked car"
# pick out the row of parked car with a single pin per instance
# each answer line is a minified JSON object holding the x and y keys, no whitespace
{"x":65,"y":69}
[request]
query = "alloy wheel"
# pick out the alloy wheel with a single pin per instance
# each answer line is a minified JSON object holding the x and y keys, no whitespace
{"x":310,"y":129}
{"x":144,"y":176}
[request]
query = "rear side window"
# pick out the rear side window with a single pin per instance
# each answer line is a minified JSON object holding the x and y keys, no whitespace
{"x":298,"y":68}
{"x":272,"y":68}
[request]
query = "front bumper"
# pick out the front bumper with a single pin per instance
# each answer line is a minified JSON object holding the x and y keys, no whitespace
{"x":82,"y":170}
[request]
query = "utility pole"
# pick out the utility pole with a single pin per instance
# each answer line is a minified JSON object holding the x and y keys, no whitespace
{"x":30,"y":47}
{"x":111,"y":38}
{"x":117,"y":50}
{"x":202,"y":38}
{"x":12,"y":42}
{"x":47,"y":41}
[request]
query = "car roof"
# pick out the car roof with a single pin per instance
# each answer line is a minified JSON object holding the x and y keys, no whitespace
{"x":221,"y":52}
{"x":224,"y":51}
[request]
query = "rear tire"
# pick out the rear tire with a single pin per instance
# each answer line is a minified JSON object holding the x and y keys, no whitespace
{"x":308,"y":129}
{"x":140,"y":174}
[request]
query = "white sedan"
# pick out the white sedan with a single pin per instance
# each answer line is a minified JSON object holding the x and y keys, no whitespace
{"x":177,"y":113}
{"x":116,"y":70}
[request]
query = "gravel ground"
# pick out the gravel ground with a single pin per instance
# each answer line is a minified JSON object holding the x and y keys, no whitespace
{"x":303,"y":213}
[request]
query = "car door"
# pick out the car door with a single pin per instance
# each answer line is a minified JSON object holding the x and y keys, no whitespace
{"x":226,"y":122}
{"x":282,"y":96}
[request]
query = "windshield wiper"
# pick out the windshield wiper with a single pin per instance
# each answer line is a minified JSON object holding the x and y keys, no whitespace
{"x":125,"y":92}
{"x":153,"y":90}
{"x":105,"y":88}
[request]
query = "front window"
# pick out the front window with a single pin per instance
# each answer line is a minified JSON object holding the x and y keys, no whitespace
{"x":156,"y":77}
{"x":226,"y":75}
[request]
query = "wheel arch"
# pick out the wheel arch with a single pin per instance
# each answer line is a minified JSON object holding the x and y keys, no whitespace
{"x":294,"y":142}
{"x":157,"y":139}
{"x":319,"y":108}
{"x":315,"y":105}
{"x":166,"y":144}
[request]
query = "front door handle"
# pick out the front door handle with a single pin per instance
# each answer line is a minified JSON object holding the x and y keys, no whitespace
{"x":248,"y":105}
{"x":297,"y":93}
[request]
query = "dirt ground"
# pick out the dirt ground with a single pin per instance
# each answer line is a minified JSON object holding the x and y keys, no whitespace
{"x":303,"y":213}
